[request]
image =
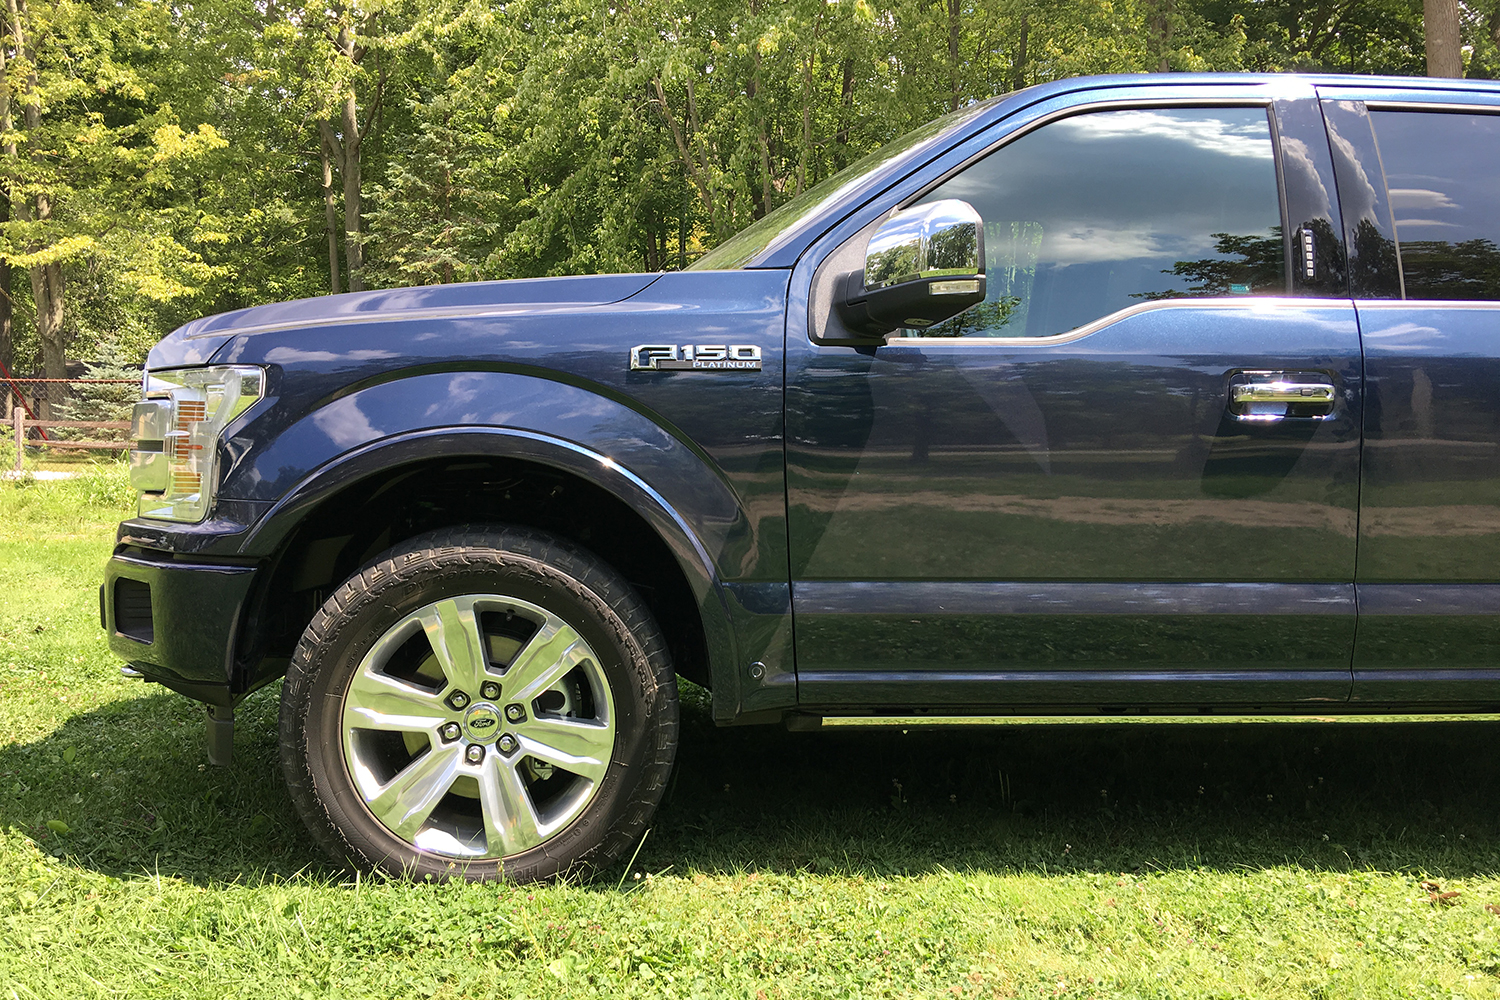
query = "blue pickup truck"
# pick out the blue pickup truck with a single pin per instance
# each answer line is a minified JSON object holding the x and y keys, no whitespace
{"x":1166,"y":394}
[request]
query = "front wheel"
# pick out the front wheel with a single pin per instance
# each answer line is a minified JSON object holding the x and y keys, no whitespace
{"x":480,"y":703}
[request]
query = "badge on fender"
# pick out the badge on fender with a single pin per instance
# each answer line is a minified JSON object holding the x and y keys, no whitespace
{"x":694,"y":357}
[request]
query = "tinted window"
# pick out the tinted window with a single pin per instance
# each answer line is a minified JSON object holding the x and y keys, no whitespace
{"x":1443,"y":174}
{"x":1099,"y":212}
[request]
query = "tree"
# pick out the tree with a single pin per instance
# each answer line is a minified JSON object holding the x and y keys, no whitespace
{"x":332,"y":64}
{"x":164,"y":161}
{"x":1346,"y":36}
{"x":439,"y":210}
{"x":32,"y":202}
{"x":346,"y":140}
{"x":1444,"y":47}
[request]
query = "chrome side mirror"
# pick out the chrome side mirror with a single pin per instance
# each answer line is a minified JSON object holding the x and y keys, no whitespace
{"x":923,"y":265}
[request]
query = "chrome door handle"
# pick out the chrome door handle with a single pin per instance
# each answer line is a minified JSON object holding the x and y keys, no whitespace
{"x":1266,"y":396}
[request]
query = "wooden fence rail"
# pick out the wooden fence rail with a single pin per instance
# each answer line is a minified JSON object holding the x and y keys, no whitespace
{"x":19,"y":423}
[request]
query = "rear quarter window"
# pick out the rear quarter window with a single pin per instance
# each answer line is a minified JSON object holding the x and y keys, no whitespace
{"x":1442,"y":170}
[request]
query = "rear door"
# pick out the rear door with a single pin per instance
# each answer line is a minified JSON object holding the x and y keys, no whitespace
{"x":1052,"y":499}
{"x":1420,"y":181}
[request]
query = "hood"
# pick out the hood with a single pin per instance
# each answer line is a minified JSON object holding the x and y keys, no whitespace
{"x":196,"y":343}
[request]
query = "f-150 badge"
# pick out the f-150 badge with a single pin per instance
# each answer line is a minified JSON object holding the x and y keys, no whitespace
{"x":694,"y":357}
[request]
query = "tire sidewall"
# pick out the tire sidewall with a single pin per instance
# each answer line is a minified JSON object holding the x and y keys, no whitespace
{"x":415,"y":580}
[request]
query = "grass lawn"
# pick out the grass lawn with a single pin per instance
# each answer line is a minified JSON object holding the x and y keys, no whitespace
{"x":1037,"y":860}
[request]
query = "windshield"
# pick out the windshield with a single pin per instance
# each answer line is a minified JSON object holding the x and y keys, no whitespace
{"x":746,"y":245}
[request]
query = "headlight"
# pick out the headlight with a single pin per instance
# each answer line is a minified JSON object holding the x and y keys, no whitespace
{"x":175,"y":436}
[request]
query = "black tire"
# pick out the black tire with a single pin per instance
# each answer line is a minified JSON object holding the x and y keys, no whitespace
{"x":353,"y":765}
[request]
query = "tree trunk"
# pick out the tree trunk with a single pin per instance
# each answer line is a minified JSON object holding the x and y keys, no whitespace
{"x":7,"y":305}
{"x":1018,"y":71}
{"x":327,"y":147}
{"x":349,"y":162}
{"x":751,"y":90}
{"x":682,"y":229}
{"x":805,"y":152}
{"x":46,"y":279}
{"x":846,"y":106}
{"x":682,"y":135}
{"x":1444,"y":46}
{"x":653,"y":254}
{"x":447,"y":205}
{"x":1159,"y":32}
{"x":354,"y":255}
{"x":954,"y":24}
{"x":49,"y":316}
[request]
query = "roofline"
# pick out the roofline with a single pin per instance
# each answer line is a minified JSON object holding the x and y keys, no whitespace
{"x":1078,"y":83}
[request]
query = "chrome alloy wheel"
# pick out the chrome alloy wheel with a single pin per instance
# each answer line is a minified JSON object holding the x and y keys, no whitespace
{"x":478,"y":727}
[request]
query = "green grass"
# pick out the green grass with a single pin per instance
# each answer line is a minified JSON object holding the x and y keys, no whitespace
{"x":1040,"y":860}
{"x":39,"y":458}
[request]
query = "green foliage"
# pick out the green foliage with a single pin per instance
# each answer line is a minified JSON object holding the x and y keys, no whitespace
{"x":1467,"y":269}
{"x":178,"y":146}
{"x":1245,"y":264}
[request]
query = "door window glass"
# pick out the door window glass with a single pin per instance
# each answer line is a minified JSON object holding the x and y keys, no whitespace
{"x":1099,"y":212}
{"x":1440,"y":171}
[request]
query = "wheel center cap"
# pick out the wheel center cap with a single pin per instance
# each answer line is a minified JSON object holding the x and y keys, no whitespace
{"x":482,"y":723}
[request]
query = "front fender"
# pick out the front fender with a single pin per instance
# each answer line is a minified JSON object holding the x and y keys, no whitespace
{"x":672,"y":485}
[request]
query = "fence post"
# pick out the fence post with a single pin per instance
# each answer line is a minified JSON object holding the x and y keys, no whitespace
{"x":18,"y":419}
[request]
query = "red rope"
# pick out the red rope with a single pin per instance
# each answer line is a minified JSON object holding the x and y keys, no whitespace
{"x":19,"y":395}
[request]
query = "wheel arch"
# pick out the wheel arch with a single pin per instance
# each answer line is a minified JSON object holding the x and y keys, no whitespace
{"x":369,"y":490}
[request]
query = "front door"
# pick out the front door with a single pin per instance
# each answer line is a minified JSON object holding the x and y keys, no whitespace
{"x":1066,"y":496}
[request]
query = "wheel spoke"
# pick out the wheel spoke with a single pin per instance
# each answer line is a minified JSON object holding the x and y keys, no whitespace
{"x":511,"y":824}
{"x":404,"y":803}
{"x":376,"y":701}
{"x":452,"y":628}
{"x":382,"y":696}
{"x":554,"y":651}
{"x":583,"y":748}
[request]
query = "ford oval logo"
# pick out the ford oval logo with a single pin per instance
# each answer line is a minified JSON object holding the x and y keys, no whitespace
{"x":482,"y":723}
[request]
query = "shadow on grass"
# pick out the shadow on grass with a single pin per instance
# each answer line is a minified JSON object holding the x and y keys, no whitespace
{"x":1100,"y":796}
{"x":128,"y":782}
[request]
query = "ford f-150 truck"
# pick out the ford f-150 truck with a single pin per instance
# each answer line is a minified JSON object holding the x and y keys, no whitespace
{"x":1166,"y":394}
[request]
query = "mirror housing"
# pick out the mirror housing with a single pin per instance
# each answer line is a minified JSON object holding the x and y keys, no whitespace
{"x":923,"y":266}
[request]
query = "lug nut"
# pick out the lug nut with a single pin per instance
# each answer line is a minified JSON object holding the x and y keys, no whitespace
{"x":507,"y":743}
{"x":515,"y":713}
{"x":490,"y":690}
{"x":458,"y":699}
{"x":475,"y":754}
{"x":450,"y":732}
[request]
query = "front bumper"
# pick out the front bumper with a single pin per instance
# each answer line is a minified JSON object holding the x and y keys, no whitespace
{"x":177,"y":620}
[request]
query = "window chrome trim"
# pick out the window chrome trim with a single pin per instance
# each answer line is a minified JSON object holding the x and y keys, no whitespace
{"x":1457,"y":109}
{"x":1427,"y":303}
{"x":1120,"y":315}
